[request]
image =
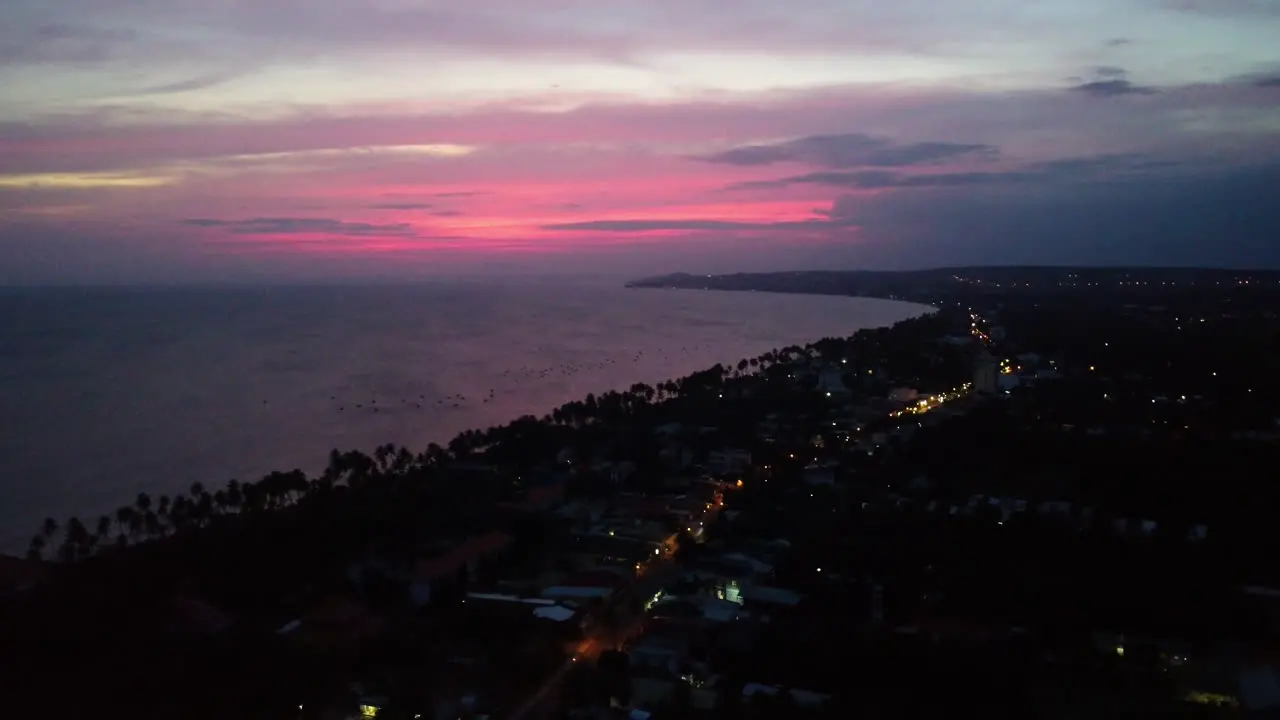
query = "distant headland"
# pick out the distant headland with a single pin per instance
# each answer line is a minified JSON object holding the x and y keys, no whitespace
{"x":930,"y":285}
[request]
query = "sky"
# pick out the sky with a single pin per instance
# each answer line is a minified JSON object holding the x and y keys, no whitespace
{"x":148,"y":141}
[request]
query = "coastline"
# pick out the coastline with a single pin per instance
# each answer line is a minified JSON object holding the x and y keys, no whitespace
{"x":313,"y":462}
{"x":899,"y":436}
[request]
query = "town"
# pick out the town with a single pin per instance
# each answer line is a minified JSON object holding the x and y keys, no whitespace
{"x":1052,"y":497}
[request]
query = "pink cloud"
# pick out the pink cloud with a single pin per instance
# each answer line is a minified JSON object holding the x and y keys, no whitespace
{"x":598,"y":178}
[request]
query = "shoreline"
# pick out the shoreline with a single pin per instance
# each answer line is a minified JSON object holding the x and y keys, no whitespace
{"x":18,"y":536}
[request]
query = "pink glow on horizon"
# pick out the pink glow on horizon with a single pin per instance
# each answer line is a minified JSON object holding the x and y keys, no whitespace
{"x":252,"y":138}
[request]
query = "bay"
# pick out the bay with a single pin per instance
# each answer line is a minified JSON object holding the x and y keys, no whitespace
{"x":105,"y":393}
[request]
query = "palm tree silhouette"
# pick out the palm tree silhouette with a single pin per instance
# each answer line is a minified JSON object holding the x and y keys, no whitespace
{"x":35,"y":551}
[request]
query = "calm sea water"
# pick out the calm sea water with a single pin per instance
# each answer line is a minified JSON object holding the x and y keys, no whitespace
{"x":108,"y":393}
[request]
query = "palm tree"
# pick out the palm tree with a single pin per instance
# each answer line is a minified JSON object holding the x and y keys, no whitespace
{"x":123,"y":515}
{"x":151,"y":524}
{"x":104,"y":529}
{"x":235,"y":496}
{"x":459,"y":446}
{"x":403,"y":461}
{"x":128,"y":517}
{"x":254,"y":498}
{"x":296,"y":484}
{"x":78,"y":539}
{"x":436,"y":454}
{"x":382,"y":454}
{"x":203,"y":509}
{"x":35,"y":551}
{"x":49,"y":528}
{"x":143,"y":503}
{"x":337,"y":465}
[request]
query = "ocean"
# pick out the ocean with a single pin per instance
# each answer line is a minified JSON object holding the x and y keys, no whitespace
{"x":105,"y":393}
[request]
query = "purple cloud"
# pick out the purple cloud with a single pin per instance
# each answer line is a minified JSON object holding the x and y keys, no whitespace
{"x":849,"y":150}
{"x":1112,"y":88}
{"x":303,"y":226}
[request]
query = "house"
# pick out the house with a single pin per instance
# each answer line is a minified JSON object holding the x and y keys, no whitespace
{"x":653,"y":690}
{"x":584,"y":587}
{"x":455,"y":566}
{"x":336,"y":622}
{"x":920,"y":484}
{"x":540,"y":498}
{"x":659,"y":652}
{"x":670,"y":429}
{"x":675,"y":456}
{"x":502,"y":604}
{"x":1245,"y":678}
{"x":831,"y":382}
{"x":634,"y":505}
{"x":195,"y":615}
{"x":819,"y":476}
{"x":802,"y":698}
{"x":619,"y":472}
{"x":1008,"y":382}
{"x":719,"y":611}
{"x":566,"y":456}
{"x":728,"y":570}
{"x":771,"y":596}
{"x":904,"y":395}
{"x":939,"y":629}
{"x":726,"y":461}
{"x":660,"y":691}
{"x":611,"y":549}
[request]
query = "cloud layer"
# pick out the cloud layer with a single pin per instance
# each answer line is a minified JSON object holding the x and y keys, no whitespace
{"x":186,"y":140}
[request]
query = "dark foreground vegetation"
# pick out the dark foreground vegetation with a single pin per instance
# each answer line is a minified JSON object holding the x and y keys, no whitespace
{"x":1051,"y":498}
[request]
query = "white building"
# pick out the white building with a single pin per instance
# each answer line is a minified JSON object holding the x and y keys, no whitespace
{"x":831,"y":382}
{"x":986,"y":374}
{"x":904,"y":395}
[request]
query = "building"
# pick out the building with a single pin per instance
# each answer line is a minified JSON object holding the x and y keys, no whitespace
{"x":194,"y":615}
{"x":505,"y":605}
{"x":986,"y":374}
{"x":728,"y":461}
{"x":819,"y":476}
{"x":334,"y":623}
{"x":807,"y":699}
{"x":584,"y":587}
{"x":831,"y":382}
{"x":904,"y":395}
{"x":539,"y":498}
{"x":676,"y":456}
{"x":455,"y":566}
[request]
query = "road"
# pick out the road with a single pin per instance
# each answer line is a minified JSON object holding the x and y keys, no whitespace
{"x":629,"y":600}
{"x":541,"y":703}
